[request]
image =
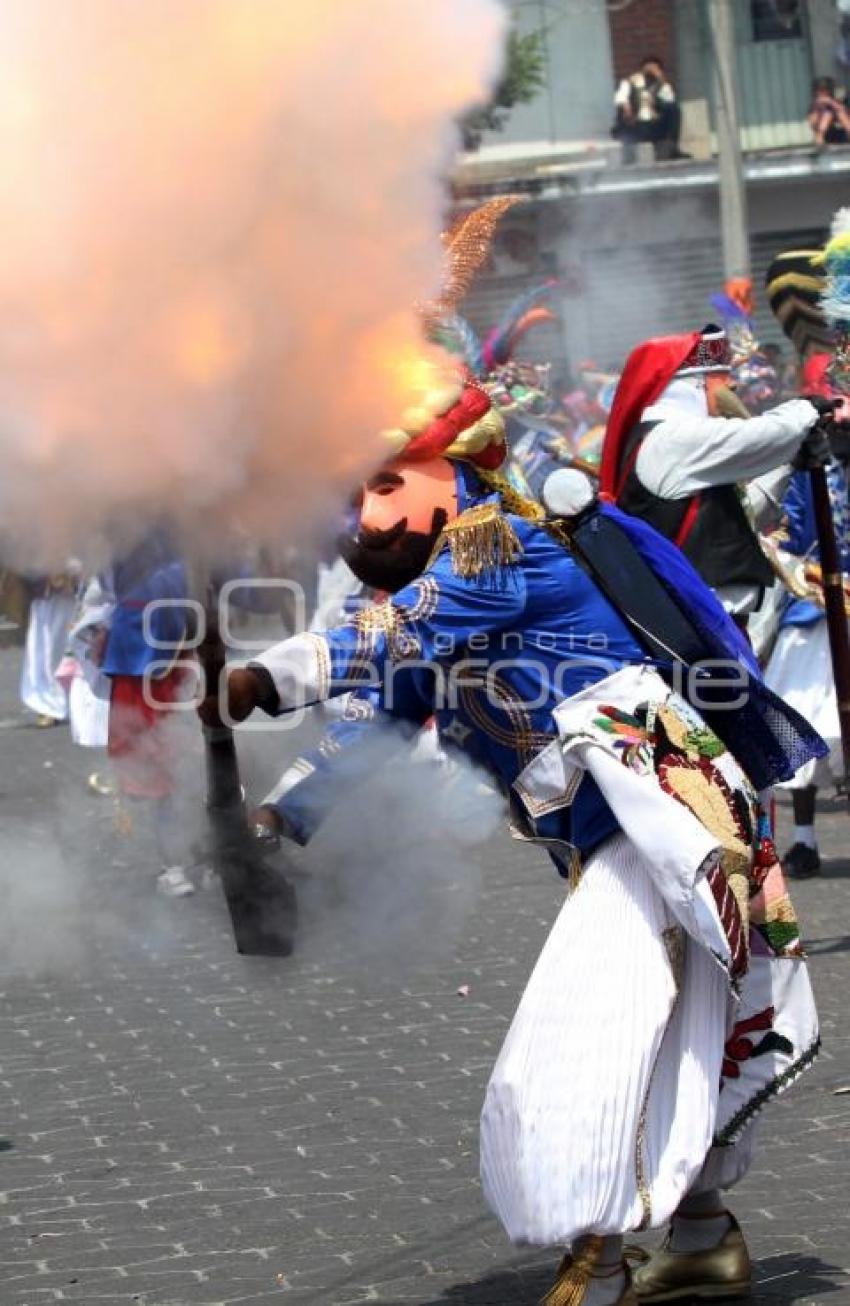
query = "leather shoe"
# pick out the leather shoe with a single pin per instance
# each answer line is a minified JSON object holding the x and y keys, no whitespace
{"x":801,"y":862}
{"x":718,"y":1274}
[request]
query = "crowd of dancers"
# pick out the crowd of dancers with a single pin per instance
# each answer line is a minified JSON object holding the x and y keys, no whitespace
{"x":641,"y":538}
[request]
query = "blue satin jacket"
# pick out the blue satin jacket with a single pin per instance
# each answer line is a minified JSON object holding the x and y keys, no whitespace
{"x":799,"y":509}
{"x":488,"y":658}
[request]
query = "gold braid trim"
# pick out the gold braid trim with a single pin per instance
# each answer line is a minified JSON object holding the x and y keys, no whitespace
{"x":389,"y":621}
{"x":512,"y":500}
{"x":574,"y":1275}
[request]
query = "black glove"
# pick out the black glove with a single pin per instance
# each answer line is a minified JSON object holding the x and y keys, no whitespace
{"x":815,"y":451}
{"x":826,"y":407}
{"x":839,"y":439}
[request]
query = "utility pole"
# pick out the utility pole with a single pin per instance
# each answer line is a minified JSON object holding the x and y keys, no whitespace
{"x":733,"y":196}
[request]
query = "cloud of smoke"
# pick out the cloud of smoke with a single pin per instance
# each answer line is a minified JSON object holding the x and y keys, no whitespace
{"x":395,"y":869}
{"x":217,"y":216}
{"x":44,"y":927}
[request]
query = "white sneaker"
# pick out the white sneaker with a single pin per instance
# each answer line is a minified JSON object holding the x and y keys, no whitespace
{"x":174,"y":883}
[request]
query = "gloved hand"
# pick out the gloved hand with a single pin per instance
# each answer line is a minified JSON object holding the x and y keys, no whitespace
{"x":244,"y":691}
{"x":826,"y":407}
{"x":839,"y":439}
{"x":815,"y":451}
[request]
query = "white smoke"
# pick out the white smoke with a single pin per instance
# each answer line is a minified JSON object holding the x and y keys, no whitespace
{"x":217,"y":217}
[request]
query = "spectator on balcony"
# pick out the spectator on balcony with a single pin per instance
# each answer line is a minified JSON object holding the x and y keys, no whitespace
{"x":829,"y":117}
{"x":647,"y":111}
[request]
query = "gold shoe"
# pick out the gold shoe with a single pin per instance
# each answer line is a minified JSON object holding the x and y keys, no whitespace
{"x":721,"y":1273}
{"x":574,"y":1274}
{"x":45,"y":722}
{"x":97,"y":785}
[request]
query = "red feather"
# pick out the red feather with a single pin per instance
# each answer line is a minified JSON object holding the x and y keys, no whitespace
{"x":533,"y":317}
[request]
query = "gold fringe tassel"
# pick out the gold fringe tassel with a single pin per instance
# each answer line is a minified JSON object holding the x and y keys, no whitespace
{"x":481,"y":540}
{"x":574,"y":1275}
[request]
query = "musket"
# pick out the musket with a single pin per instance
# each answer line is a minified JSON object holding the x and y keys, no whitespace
{"x":259,"y":898}
{"x":836,"y":618}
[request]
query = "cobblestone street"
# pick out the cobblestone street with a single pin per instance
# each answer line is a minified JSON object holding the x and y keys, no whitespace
{"x":180,"y":1125}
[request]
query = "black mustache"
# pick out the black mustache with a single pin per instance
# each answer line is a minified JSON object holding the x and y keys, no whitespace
{"x":390,"y":569}
{"x":370,"y":538}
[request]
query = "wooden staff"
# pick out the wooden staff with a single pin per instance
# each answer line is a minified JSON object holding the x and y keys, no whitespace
{"x":836,"y":617}
{"x":260,"y":899}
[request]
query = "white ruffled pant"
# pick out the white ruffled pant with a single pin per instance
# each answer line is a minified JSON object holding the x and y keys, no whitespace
{"x":601,"y":1109}
{"x":800,"y":671}
{"x":47,"y":633}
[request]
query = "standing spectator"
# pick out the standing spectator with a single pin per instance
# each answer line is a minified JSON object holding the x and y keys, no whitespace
{"x":150,"y":674}
{"x":647,"y":110}
{"x":828,"y":117}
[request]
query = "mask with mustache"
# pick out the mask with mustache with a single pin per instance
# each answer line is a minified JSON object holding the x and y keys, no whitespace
{"x":389,"y":560}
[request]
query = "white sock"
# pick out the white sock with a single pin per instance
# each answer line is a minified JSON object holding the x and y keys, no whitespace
{"x":605,"y":1291}
{"x":608,"y":1277}
{"x":805,"y":834}
{"x":700,"y":1223}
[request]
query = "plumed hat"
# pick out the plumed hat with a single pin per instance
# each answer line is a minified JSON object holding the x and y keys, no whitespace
{"x":649,"y":369}
{"x":795,"y":282}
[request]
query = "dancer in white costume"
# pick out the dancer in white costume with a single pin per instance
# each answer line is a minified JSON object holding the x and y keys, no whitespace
{"x":800,"y":666}
{"x":672,"y":457}
{"x":50,"y":617}
{"x":630,"y":1049}
{"x":671,"y":1000}
{"x":808,"y":291}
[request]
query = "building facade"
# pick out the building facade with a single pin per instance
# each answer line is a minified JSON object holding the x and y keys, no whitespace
{"x":636,"y":249}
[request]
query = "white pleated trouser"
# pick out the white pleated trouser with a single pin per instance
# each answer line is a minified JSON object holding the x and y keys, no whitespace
{"x":89,"y":715}
{"x":800,"y":671}
{"x":47,"y":633}
{"x":601,"y":1108}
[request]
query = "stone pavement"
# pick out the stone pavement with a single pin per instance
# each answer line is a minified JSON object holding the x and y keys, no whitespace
{"x":180,"y":1125}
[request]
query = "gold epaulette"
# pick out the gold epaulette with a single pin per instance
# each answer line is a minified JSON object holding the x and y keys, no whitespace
{"x":480,"y":540}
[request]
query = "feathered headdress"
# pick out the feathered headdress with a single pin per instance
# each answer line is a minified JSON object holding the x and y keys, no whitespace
{"x":514,"y":387}
{"x":467,"y":244}
{"x":456,"y":419}
{"x":465,"y":420}
{"x":735,"y":306}
{"x":525,"y":312}
{"x":835,"y":296}
{"x":756,"y":379}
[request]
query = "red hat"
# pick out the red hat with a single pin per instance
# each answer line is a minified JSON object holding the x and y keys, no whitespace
{"x":649,"y":370}
{"x":711,"y":353}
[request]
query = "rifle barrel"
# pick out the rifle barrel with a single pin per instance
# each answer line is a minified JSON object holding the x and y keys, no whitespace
{"x":836,"y":618}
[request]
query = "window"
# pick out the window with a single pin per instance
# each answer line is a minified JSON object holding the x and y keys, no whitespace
{"x":776,"y":20}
